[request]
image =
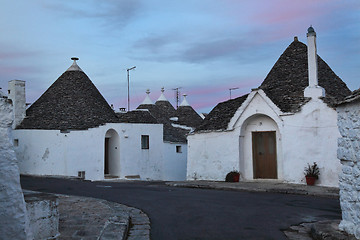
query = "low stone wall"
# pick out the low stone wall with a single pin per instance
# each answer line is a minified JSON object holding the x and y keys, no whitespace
{"x":43,"y":214}
{"x":349,"y":155}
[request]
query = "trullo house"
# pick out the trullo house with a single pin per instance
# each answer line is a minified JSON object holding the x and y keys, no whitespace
{"x":72,"y":131}
{"x":278,"y":128}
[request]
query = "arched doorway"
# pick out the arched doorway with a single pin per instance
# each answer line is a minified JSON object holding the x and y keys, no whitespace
{"x":259,"y":148}
{"x":112,"y":154}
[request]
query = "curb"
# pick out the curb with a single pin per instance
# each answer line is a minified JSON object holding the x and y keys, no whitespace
{"x":283,"y":188}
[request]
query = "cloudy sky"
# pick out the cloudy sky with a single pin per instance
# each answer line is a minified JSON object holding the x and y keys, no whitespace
{"x":203,"y":46}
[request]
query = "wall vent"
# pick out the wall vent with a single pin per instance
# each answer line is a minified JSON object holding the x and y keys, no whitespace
{"x":81,"y":174}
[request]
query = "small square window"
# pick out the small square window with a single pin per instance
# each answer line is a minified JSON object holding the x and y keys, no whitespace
{"x":178,"y":149}
{"x":144,"y":141}
{"x":16,"y":142}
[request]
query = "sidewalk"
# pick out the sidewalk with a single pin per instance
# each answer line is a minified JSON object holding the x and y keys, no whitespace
{"x":91,"y":218}
{"x":261,"y":186}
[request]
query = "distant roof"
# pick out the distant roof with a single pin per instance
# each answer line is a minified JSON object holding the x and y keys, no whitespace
{"x":188,"y":116}
{"x":288,"y":78}
{"x":166,"y":107}
{"x":221,"y":114}
{"x":171,"y":134}
{"x":284,"y":85}
{"x":136,"y":117}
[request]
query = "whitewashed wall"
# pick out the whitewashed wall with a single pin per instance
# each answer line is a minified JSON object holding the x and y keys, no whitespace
{"x":305,"y":137}
{"x":212,"y":155}
{"x":14,"y":221}
{"x":174,"y":162}
{"x":311,"y":136}
{"x":49,"y":152}
{"x":349,"y":155}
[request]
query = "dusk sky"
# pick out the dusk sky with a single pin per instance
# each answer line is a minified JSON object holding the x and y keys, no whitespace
{"x":203,"y":46}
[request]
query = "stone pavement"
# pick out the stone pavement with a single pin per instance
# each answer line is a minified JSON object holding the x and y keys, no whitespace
{"x":90,"y":218}
{"x":323,"y":230}
{"x":84,"y":218}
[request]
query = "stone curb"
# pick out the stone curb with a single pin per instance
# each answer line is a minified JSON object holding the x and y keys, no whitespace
{"x":275,"y":187}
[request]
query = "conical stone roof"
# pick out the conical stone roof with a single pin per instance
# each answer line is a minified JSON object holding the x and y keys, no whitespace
{"x":288,"y":78}
{"x":72,"y":102}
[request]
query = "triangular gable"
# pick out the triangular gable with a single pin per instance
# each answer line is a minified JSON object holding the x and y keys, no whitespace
{"x":274,"y":111}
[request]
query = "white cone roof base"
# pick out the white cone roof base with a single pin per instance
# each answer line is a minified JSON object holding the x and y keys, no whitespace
{"x":162,"y":96}
{"x":74,"y":66}
{"x":184,"y":102}
{"x":147,"y":99}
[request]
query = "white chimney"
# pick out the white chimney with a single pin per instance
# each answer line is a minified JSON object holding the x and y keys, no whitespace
{"x":17,"y":96}
{"x":313,"y":90}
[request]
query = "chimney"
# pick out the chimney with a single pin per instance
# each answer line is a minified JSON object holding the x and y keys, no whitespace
{"x":313,"y":90}
{"x":17,"y":97}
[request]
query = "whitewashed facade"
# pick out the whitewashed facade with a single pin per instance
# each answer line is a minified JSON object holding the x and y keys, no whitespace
{"x":300,"y":117}
{"x":51,"y":152}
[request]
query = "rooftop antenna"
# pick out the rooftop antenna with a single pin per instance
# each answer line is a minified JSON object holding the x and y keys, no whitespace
{"x":230,"y":89}
{"x":128,"y":80}
{"x":177,"y":96}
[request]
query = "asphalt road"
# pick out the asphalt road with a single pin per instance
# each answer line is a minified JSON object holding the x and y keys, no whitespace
{"x":183,"y":213}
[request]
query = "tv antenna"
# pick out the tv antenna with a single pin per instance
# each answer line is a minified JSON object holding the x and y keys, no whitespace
{"x":231,"y":89}
{"x":177,"y":96}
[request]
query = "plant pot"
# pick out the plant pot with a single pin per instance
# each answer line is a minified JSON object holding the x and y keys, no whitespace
{"x":236,"y":177}
{"x":310,"y":180}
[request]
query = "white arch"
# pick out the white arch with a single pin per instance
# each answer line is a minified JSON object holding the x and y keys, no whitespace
{"x":257,"y":123}
{"x":112,"y":153}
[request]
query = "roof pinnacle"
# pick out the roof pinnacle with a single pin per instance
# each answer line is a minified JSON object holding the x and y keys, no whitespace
{"x":162,"y":96}
{"x":74,"y":66}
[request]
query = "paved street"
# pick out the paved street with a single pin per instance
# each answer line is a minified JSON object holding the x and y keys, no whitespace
{"x":184,"y":213}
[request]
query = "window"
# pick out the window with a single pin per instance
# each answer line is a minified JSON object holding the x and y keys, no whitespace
{"x":144,"y":141}
{"x":178,"y":149}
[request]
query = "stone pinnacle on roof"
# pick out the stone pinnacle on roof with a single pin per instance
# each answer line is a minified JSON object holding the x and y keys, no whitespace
{"x":184,"y":102}
{"x":74,"y":66}
{"x":147,"y":99}
{"x":162,"y":96}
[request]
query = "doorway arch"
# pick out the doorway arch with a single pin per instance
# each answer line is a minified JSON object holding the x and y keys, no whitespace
{"x":260,"y":148}
{"x":112,"y":154}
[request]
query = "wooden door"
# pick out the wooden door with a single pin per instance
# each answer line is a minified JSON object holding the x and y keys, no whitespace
{"x":264,"y":154}
{"x":106,"y":157}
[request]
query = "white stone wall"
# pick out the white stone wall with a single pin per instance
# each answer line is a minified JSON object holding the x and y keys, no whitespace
{"x":311,"y":136}
{"x":212,"y":155}
{"x":50,"y":152}
{"x":14,"y":223}
{"x":349,"y":155}
{"x":305,"y":137}
{"x":174,"y":162}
